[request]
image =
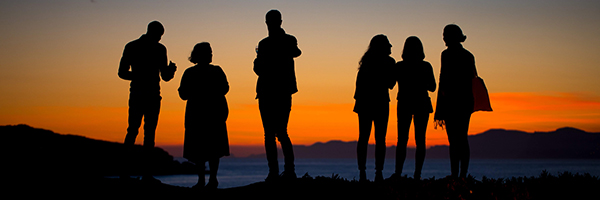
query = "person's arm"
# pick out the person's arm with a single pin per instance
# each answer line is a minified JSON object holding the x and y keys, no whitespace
{"x":472,"y":61}
{"x":124,"y":66}
{"x":295,"y":51}
{"x":224,"y":84}
{"x":390,"y":73}
{"x":258,"y":64}
{"x":167,"y":72}
{"x":441,"y":88}
{"x":183,"y":86}
{"x":358,"y":87}
{"x":431,"y":86}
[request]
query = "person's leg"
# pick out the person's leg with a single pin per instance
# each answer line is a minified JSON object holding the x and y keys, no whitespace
{"x":381,"y":123}
{"x":151,"y":112}
{"x":288,"y":154}
{"x":134,"y":121}
{"x":453,"y":146}
{"x":365,"y":123}
{"x":420,"y":130}
{"x":404,"y":121}
{"x":283,"y":116}
{"x":201,"y":168}
{"x":213,"y":165}
{"x":266,"y":114}
{"x":465,"y":151}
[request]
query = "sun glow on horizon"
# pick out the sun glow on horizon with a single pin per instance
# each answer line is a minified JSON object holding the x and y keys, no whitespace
{"x":321,"y":123}
{"x":60,"y":60}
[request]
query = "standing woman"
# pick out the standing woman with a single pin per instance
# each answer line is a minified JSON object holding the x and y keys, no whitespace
{"x":373,"y":83}
{"x":204,"y":87}
{"x":415,"y":77}
{"x":455,"y":98}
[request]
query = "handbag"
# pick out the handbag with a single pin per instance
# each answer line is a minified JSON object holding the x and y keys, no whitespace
{"x":481,"y":98}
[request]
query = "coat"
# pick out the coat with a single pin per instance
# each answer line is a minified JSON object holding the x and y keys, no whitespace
{"x":204,"y":88}
{"x":455,"y":93}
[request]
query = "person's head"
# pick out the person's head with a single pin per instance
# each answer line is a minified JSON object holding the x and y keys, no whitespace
{"x":379,"y":46}
{"x":202,"y":53}
{"x":273,"y":19}
{"x":413,"y":49}
{"x":453,"y":34}
{"x":155,"y":30}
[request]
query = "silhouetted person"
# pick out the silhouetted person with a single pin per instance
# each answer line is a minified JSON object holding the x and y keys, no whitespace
{"x":274,"y":65}
{"x":147,"y":59}
{"x":373,"y":83}
{"x":415,"y":77}
{"x":455,"y":97}
{"x":204,"y":87}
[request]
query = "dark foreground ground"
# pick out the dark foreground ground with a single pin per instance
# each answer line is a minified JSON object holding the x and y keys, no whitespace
{"x":41,"y":164}
{"x":546,"y":186}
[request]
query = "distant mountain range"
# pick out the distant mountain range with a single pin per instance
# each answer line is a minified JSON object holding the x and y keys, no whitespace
{"x":40,"y":152}
{"x":563,"y":143}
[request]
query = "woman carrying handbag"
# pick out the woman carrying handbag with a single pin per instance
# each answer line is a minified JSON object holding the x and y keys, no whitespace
{"x":455,"y":100}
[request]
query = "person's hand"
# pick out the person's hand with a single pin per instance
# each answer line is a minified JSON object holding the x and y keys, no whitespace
{"x":172,"y":66}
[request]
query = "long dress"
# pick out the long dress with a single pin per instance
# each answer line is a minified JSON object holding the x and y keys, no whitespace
{"x":204,"y":87}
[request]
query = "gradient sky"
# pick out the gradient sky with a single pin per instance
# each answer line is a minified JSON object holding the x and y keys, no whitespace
{"x":538,"y":58}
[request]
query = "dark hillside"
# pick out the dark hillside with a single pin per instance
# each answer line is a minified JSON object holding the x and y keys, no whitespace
{"x":45,"y":153}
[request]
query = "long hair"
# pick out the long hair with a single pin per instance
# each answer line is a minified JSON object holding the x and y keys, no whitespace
{"x":377,"y":47}
{"x":413,"y":49}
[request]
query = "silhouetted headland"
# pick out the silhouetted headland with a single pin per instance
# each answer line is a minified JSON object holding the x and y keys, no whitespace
{"x":39,"y":151}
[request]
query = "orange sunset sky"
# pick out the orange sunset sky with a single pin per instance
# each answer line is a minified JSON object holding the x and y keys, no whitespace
{"x":59,"y":59}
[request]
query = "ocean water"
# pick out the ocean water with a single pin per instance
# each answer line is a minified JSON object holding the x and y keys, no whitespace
{"x":236,"y":172}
